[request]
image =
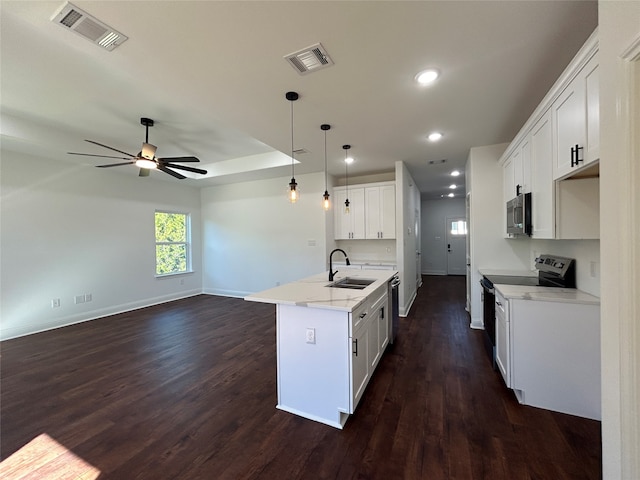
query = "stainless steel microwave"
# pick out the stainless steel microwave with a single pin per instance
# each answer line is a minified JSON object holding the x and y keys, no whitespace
{"x":519,"y":215}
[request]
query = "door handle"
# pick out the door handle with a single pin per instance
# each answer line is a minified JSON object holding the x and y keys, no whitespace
{"x":449,"y":247}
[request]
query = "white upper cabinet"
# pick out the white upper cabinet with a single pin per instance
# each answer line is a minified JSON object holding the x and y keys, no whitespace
{"x":517,"y":170}
{"x":380,"y":212}
{"x":372,"y":212}
{"x":349,"y":226}
{"x":559,"y":144}
{"x":576,"y":123}
{"x":542,"y":191}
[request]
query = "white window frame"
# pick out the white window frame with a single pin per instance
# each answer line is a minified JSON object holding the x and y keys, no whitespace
{"x":186,"y":243}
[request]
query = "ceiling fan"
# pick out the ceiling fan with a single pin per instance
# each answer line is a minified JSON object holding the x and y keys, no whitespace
{"x":146,"y":159}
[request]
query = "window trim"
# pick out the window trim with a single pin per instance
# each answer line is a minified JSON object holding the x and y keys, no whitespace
{"x":187,"y":243}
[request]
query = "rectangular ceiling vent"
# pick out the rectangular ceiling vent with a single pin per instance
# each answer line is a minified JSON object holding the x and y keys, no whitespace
{"x":309,"y":59}
{"x":78,"y":21}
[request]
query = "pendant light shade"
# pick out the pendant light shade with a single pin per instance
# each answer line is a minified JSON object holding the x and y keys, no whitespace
{"x":326,"y":204}
{"x":293,"y":192}
{"x":346,"y":171}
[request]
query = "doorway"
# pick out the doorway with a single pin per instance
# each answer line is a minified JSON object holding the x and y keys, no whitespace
{"x":456,"y":228}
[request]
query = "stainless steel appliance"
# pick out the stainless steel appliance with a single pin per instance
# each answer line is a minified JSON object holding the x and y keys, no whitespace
{"x":394,"y":285}
{"x":553,"y":271}
{"x":519,"y":215}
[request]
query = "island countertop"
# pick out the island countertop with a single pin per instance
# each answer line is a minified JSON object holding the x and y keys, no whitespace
{"x":313,"y":291}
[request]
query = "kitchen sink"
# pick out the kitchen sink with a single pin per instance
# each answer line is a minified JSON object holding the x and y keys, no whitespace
{"x":352,"y":282}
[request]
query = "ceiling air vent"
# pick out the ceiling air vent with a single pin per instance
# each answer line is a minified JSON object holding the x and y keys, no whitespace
{"x":309,"y":59}
{"x":80,"y":22}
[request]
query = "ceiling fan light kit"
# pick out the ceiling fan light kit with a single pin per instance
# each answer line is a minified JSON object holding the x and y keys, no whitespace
{"x":146,"y":159}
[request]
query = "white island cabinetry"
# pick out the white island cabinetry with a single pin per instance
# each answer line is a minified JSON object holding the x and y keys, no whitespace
{"x":329,"y":342}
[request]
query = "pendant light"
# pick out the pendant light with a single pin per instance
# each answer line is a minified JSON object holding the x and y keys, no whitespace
{"x":346,"y":171}
{"x":293,"y":192}
{"x":325,"y":202}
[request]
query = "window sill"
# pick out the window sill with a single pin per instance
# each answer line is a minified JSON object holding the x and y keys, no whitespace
{"x":170,"y":275}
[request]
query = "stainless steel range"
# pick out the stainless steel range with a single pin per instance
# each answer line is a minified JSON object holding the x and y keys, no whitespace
{"x":553,"y":271}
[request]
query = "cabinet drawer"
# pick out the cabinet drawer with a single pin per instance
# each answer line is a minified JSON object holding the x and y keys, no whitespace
{"x":359,"y":317}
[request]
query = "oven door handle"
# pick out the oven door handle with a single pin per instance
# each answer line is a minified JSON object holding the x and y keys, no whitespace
{"x":486,"y":287}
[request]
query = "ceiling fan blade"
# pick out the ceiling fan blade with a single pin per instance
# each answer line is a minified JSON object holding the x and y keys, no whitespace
{"x":162,"y":168}
{"x":92,"y":155}
{"x":178,"y":159}
{"x":184,"y":167}
{"x":115,"y":164}
{"x":110,"y":148}
{"x":144,"y":172}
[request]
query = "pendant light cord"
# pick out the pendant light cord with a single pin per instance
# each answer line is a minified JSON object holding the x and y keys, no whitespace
{"x":292,"y":154}
{"x":325,"y":160}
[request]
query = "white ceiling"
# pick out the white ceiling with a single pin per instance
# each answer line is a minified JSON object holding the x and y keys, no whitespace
{"x":213,"y":77}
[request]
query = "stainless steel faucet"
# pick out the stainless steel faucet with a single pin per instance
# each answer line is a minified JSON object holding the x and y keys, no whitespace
{"x":331,"y":272}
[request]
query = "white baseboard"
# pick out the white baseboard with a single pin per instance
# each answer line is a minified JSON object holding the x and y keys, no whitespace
{"x":23,"y":330}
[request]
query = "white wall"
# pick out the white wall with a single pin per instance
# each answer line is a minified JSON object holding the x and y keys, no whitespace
{"x":255,"y":239}
{"x":489,"y":248}
{"x":434,"y":232}
{"x":69,"y":230}
{"x":407,"y":209}
{"x":619,"y":71}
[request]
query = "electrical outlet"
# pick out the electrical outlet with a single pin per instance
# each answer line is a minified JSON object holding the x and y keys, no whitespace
{"x":79,"y":299}
{"x":88,"y":297}
{"x":593,"y":267}
{"x":311,"y":335}
{"x":55,"y":303}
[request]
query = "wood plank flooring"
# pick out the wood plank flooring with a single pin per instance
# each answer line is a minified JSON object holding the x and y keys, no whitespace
{"x":187,"y":390}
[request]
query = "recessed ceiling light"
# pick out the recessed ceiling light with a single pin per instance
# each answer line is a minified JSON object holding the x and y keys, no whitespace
{"x":427,"y":77}
{"x":451,"y":195}
{"x":452,"y":186}
{"x":435,"y":136}
{"x":455,"y":173}
{"x":348,"y":160}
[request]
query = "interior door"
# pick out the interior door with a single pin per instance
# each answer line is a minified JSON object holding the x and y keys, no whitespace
{"x":456,"y":245}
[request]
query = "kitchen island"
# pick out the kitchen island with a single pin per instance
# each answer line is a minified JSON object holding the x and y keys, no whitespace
{"x":329,"y":341}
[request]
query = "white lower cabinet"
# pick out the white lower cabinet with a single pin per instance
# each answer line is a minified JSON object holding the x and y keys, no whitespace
{"x":325,"y":379}
{"x":549,"y":354}
{"x":503,"y":359}
{"x":360,"y":351}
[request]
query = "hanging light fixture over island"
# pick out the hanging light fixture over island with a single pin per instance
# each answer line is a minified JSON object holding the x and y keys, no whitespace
{"x":293,"y":192}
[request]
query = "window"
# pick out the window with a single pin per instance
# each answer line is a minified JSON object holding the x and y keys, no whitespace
{"x":172,"y":243}
{"x":459,"y":227}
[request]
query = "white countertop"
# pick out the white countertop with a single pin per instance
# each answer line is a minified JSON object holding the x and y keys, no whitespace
{"x":511,"y":273}
{"x":313,"y":292}
{"x":546,"y":294}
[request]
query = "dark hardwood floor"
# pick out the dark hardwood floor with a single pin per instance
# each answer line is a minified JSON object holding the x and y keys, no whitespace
{"x":187,"y":390}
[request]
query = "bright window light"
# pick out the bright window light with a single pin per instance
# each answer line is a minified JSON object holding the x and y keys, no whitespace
{"x":459,"y":227}
{"x":173,"y":243}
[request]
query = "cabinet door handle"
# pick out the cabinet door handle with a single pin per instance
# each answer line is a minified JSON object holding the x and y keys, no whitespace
{"x":499,"y":304}
{"x":355,"y":345}
{"x":575,"y":155}
{"x":362,"y":315}
{"x":518,"y":187}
